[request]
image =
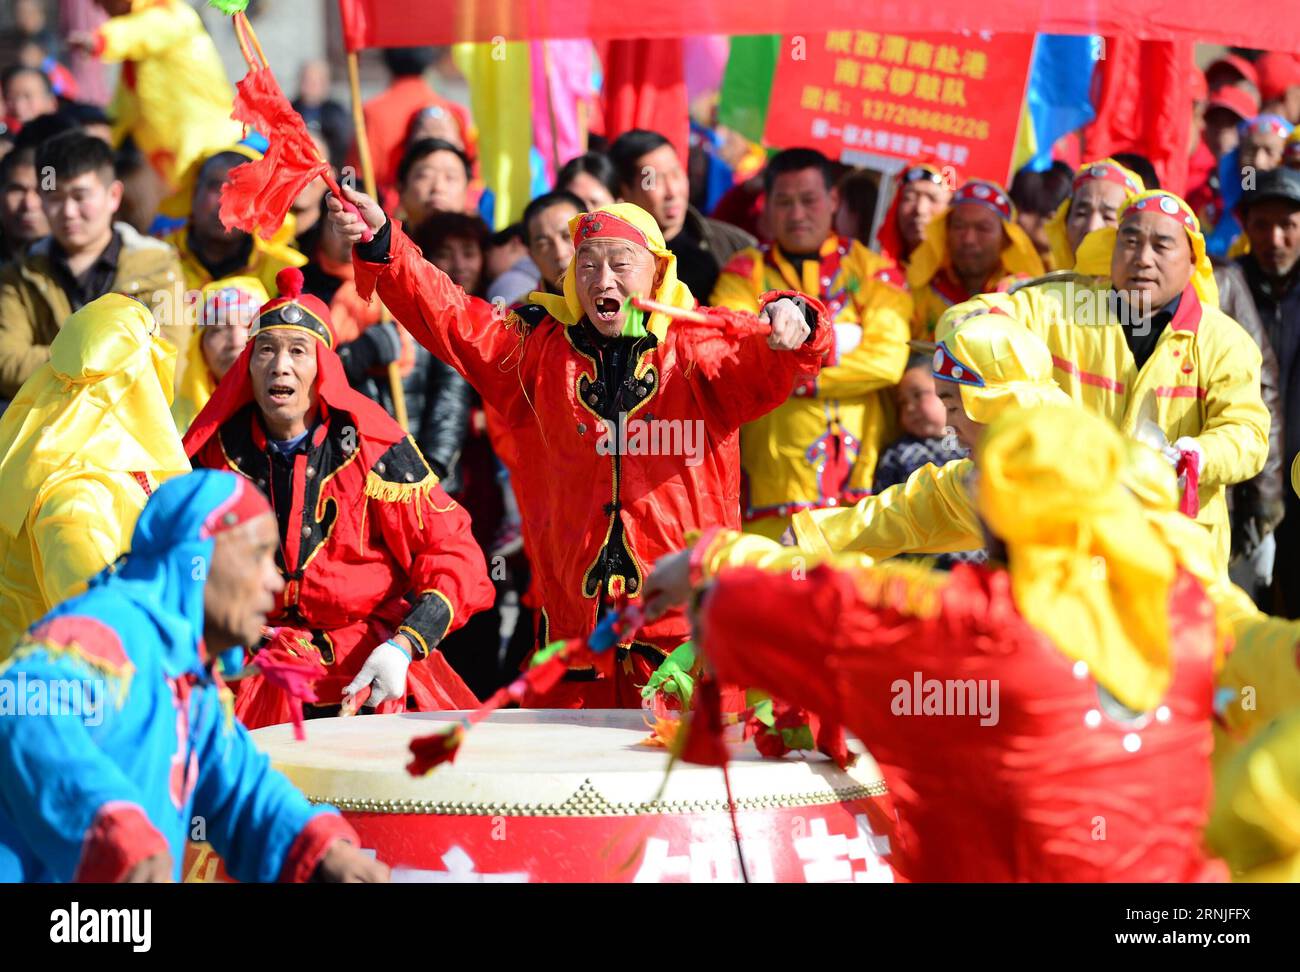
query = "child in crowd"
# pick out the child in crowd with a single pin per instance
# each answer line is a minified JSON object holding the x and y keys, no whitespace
{"x":925,"y":439}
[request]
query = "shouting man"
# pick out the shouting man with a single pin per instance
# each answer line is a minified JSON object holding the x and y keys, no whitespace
{"x":624,"y":443}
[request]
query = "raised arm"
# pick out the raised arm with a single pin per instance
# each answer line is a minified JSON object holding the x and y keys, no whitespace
{"x":145,"y":32}
{"x":468,"y":333}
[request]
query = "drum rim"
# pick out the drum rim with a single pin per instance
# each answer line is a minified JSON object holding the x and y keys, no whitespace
{"x":587,"y":801}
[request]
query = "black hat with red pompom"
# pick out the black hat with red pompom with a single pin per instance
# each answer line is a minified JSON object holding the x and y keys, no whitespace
{"x":293,"y":308}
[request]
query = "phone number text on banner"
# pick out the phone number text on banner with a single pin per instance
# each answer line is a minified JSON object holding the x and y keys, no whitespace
{"x":946,"y":98}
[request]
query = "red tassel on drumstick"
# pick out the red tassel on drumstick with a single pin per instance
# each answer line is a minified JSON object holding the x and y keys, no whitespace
{"x":257,"y":195}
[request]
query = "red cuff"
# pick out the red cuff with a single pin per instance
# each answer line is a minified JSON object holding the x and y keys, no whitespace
{"x":820,"y":340}
{"x":311,"y":844}
{"x":98,"y":50}
{"x":120,"y":837}
{"x":698,"y":553}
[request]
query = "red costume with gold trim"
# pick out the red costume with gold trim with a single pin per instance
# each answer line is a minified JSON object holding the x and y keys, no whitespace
{"x":596,"y":515}
{"x":371,"y":546}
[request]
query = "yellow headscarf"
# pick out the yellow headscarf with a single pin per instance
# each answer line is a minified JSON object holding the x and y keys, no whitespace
{"x":197,"y":380}
{"x":1087,"y":569}
{"x":1019,"y":255}
{"x":102,"y":399}
{"x":568,"y":308}
{"x":1108,"y":169}
{"x":1098,"y":247}
{"x":998,"y":365}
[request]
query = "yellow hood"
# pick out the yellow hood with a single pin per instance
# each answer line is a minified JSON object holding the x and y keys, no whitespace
{"x":197,"y":380}
{"x":568,"y":308}
{"x":102,"y":400}
{"x":1087,"y":568}
{"x":998,"y":365}
{"x":1098,"y":247}
{"x":1019,"y":256}
{"x":1062,"y":251}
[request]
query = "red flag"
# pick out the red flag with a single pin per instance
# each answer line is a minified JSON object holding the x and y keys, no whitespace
{"x":645,"y":87}
{"x":1143,"y":105}
{"x":257,"y":195}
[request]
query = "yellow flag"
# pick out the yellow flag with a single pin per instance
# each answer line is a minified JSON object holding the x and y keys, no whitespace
{"x":500,"y":85}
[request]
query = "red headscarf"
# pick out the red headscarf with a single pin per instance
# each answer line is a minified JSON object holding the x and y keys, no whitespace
{"x":376,"y":429}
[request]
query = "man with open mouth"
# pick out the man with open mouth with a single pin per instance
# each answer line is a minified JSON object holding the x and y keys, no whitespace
{"x":378,"y":562}
{"x":559,"y":370}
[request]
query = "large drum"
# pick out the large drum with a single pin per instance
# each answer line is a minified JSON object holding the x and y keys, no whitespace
{"x":568,"y":795}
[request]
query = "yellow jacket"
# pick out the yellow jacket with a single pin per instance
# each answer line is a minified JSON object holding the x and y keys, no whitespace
{"x":931,"y":512}
{"x":1202,"y":379}
{"x":173,"y":97}
{"x":1255,"y":822}
{"x":266,"y":260}
{"x":71,"y":444}
{"x":852,"y":397}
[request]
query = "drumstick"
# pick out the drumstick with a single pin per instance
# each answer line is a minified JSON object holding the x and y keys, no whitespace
{"x":693,"y":316}
{"x":668,"y":310}
{"x":354,"y":702}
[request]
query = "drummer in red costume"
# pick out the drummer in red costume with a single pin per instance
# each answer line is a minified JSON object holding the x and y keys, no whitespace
{"x":378,"y":561}
{"x":599,"y":509}
{"x":1047,"y":720}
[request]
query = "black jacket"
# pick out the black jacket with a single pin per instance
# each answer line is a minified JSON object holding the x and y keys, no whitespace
{"x":437,"y":399}
{"x":1260,"y":499}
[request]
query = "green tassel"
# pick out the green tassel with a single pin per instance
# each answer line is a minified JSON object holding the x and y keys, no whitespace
{"x":229,"y":7}
{"x":633,"y":320}
{"x":673,"y":676}
{"x":547,"y":653}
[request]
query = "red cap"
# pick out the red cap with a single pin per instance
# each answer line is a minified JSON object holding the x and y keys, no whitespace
{"x":1277,"y":72}
{"x":1238,"y":64}
{"x":602,"y":225}
{"x":988,"y":194}
{"x":293,"y":308}
{"x":246,"y":502}
{"x":1235,"y":99}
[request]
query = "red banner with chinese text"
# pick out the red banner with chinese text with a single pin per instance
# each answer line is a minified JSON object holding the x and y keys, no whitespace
{"x":945,"y":98}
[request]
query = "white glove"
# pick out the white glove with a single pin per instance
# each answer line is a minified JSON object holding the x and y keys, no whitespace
{"x":1188,"y":444}
{"x":385,"y":673}
{"x":1261,"y":560}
